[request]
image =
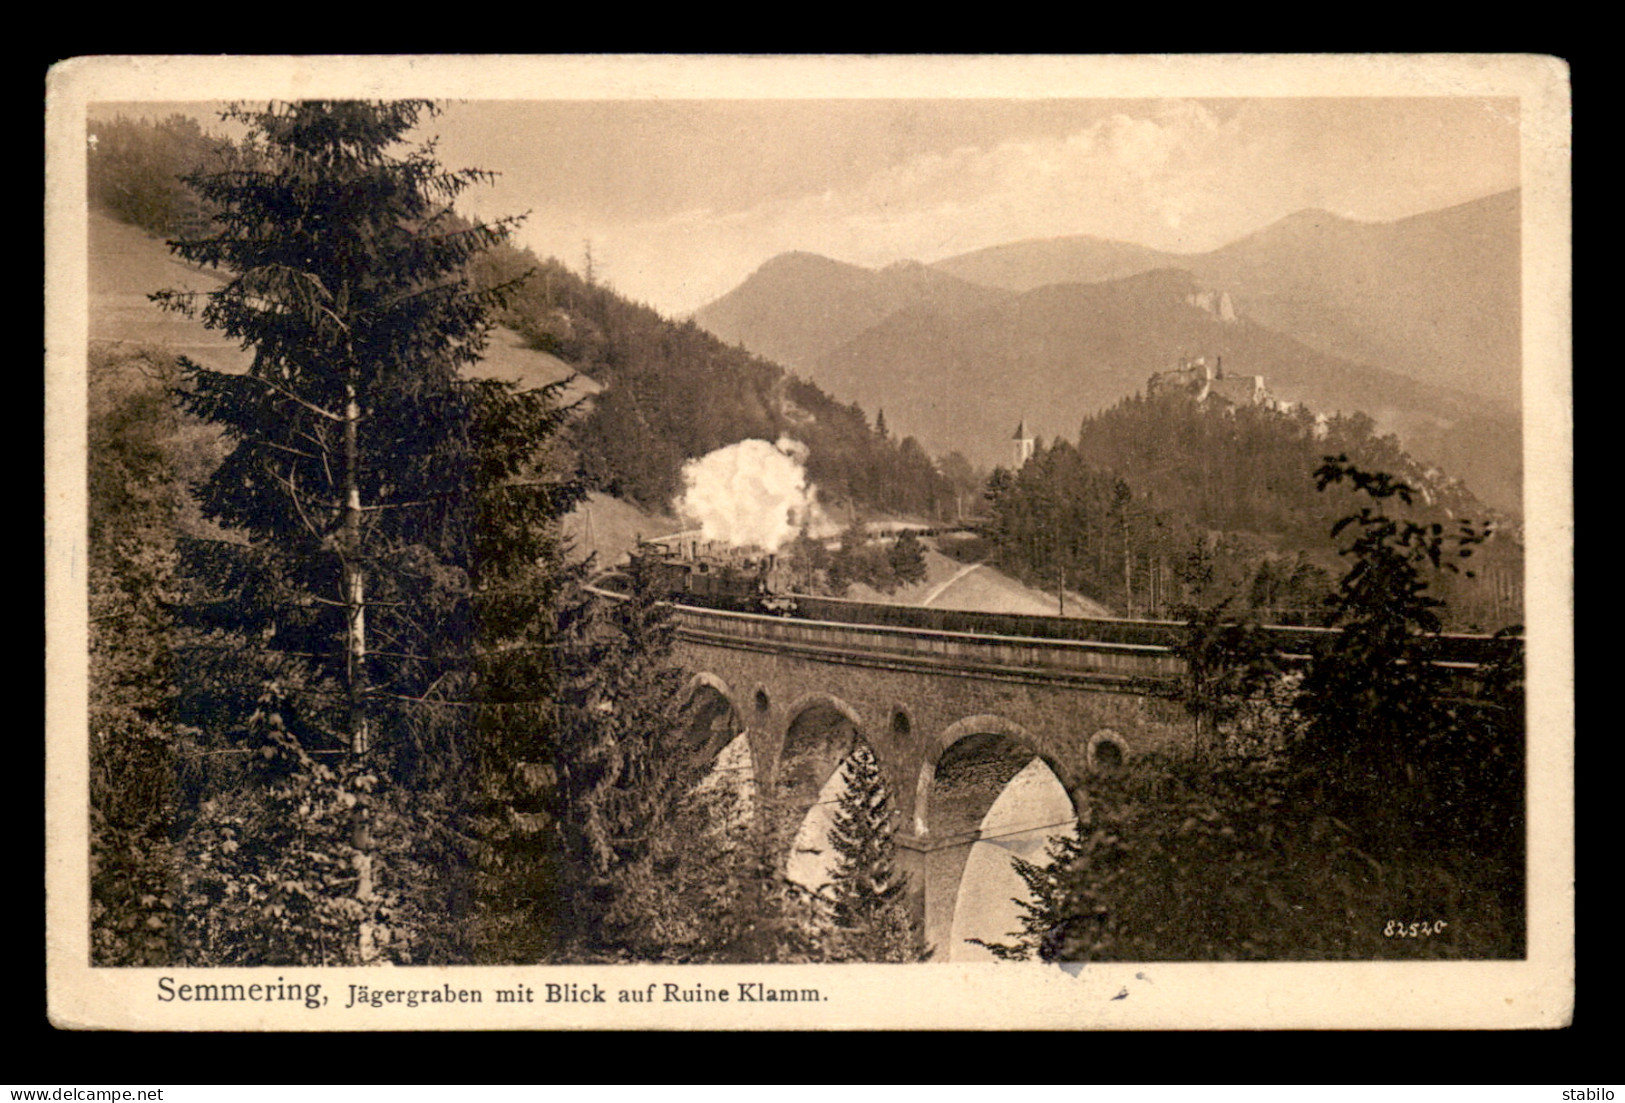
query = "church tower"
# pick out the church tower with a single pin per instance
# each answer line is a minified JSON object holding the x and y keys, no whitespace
{"x":1022,"y":444}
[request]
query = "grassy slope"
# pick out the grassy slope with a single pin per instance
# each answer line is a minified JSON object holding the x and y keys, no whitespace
{"x":127,"y":264}
{"x":611,"y":527}
{"x":983,"y":590}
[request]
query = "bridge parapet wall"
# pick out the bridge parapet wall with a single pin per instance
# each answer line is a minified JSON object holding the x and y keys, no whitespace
{"x":1129,"y":667}
{"x":1450,"y":648}
{"x":1459,"y":651}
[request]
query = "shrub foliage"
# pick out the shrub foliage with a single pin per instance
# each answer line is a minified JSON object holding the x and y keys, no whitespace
{"x":1353,"y":811}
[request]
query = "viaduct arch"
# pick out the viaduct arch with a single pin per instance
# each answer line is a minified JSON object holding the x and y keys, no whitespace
{"x":953,"y":717}
{"x":951,"y":721}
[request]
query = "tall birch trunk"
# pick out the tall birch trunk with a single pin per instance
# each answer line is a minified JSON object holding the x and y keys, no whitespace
{"x":1128,"y":569}
{"x":355,"y":602}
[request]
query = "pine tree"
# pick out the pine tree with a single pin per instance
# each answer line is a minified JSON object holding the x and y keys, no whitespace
{"x":908,"y":558}
{"x":810,"y":558}
{"x":624,"y":771}
{"x":392,"y":523}
{"x":867,"y":893}
{"x":1050,"y":914}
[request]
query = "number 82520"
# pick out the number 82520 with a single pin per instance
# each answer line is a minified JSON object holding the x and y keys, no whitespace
{"x":1398,"y":929}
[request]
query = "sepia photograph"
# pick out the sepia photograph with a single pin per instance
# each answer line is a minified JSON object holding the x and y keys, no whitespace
{"x":809,"y":542}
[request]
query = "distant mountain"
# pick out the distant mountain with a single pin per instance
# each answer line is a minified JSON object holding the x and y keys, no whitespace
{"x":1435,"y":296}
{"x":1416,"y":322}
{"x":1024,"y":265}
{"x":798,"y":306}
{"x":1056,"y":353}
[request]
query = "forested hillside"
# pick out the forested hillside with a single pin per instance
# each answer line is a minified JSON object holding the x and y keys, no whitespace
{"x":134,"y":172}
{"x":673,"y":392}
{"x":1164,"y":505}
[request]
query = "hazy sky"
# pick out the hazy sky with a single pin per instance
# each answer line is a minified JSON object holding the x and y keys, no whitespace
{"x":682,"y":200}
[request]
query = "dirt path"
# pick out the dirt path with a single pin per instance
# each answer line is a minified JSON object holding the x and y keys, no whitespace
{"x":979,"y":588}
{"x":936,"y":591}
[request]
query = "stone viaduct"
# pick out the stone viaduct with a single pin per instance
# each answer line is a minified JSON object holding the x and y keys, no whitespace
{"x":951,"y":715}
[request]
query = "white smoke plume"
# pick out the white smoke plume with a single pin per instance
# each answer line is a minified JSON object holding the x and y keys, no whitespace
{"x":751,"y":493}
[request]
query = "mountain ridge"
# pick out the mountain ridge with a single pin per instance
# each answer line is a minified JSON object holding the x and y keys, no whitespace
{"x":835,"y":302}
{"x":1074,"y":258}
{"x":1434,"y":295}
{"x":1059,"y":352}
{"x":1391,"y":315}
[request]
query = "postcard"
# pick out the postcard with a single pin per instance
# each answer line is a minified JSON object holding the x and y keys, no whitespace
{"x":809,"y":542}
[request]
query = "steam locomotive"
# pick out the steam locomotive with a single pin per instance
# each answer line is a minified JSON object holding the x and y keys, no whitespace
{"x":716,"y":576}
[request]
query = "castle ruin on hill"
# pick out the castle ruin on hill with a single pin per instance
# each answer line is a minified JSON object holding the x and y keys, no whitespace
{"x":1201,"y":381}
